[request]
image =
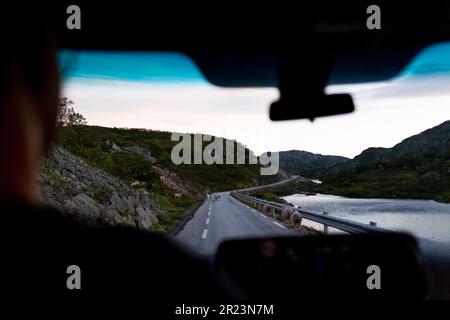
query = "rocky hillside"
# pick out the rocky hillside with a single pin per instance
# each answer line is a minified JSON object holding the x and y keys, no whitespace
{"x":126,"y":176}
{"x":306,"y":163}
{"x":94,"y":196}
{"x":122,"y":153}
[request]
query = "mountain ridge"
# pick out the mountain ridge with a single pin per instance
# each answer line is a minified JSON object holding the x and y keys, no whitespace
{"x":417,"y":167}
{"x":307,"y":163}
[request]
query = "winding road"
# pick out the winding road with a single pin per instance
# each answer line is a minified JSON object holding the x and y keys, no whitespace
{"x":226,"y":218}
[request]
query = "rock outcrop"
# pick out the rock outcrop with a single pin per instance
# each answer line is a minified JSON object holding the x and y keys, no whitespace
{"x":144,"y":153}
{"x":180,"y":188}
{"x":94,"y":196}
{"x":111,"y":146}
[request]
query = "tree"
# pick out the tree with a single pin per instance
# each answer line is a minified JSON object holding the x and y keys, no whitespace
{"x":67,"y":115}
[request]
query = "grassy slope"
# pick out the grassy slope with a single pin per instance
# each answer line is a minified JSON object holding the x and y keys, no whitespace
{"x":403,"y":178}
{"x":417,"y":167}
{"x":400,"y":178}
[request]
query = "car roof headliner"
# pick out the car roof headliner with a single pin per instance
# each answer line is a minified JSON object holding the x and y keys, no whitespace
{"x":241,"y":45}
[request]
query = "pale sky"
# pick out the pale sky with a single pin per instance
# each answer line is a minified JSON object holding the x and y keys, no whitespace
{"x":386,"y":113}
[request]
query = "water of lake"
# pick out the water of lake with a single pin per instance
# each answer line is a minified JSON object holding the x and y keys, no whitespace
{"x":424,"y":218}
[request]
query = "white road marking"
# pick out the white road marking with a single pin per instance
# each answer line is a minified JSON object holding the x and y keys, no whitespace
{"x":207,"y":221}
{"x":254,"y":210}
{"x":205,"y":232}
{"x":263,"y":215}
{"x":209,"y":213}
{"x":281,"y":226}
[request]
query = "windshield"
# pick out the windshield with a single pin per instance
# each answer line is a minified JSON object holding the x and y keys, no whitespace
{"x":155,"y":127}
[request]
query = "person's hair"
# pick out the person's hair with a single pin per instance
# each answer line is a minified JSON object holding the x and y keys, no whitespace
{"x":28,"y":63}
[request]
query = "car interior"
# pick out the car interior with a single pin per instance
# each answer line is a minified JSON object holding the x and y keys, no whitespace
{"x":303,"y":52}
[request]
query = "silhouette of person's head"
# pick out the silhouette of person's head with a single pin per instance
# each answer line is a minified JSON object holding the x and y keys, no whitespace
{"x":29,"y":90}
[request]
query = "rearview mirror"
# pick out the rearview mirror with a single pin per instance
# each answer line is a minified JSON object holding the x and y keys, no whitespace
{"x":323,"y":105}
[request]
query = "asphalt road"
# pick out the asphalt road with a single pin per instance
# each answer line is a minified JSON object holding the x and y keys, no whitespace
{"x":226,"y":218}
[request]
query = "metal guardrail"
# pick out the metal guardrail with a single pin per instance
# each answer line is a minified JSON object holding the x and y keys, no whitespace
{"x":348,"y":226}
{"x":267,"y":186}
